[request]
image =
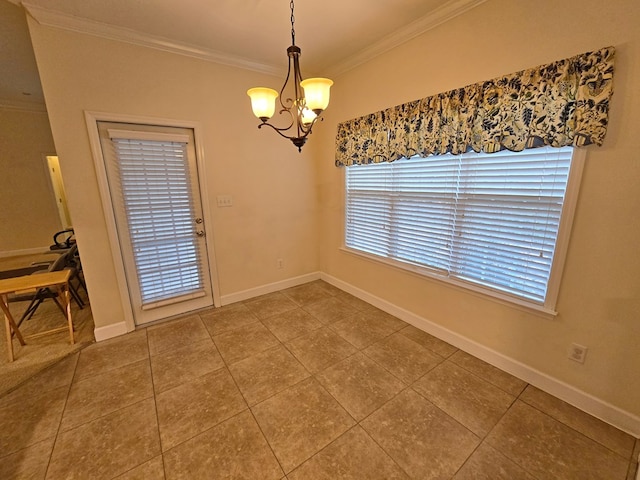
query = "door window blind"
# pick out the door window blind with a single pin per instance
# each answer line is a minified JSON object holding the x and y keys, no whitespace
{"x":156,"y":192}
{"x":488,"y":219}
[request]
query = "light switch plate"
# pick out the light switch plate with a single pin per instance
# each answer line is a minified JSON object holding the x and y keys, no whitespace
{"x":224,"y":200}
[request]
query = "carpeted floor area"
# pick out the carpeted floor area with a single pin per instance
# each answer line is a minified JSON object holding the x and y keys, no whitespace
{"x":43,"y":351}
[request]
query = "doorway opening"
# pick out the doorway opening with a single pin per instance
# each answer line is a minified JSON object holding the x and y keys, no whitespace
{"x":53,"y":166}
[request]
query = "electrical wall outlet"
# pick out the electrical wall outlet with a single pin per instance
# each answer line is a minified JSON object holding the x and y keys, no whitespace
{"x":577,"y":352}
{"x":280,"y":263}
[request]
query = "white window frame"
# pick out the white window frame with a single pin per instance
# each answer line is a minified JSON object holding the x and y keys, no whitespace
{"x":562,"y":242}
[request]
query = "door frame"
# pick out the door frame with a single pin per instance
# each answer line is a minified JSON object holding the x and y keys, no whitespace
{"x":63,"y":211}
{"x":92,"y":118}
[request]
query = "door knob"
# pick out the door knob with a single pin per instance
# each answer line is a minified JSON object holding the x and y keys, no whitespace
{"x":200,"y":233}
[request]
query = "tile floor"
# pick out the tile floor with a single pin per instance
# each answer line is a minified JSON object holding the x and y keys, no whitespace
{"x":307,"y":383}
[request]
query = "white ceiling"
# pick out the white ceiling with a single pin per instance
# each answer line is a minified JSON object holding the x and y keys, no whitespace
{"x":334,"y":35}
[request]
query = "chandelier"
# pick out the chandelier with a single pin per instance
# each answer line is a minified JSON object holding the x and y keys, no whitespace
{"x":307,"y":101}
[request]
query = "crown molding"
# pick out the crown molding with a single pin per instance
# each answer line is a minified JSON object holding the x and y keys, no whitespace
{"x":64,"y":21}
{"x":428,"y":22}
{"x":17,"y":105}
{"x":47,"y":17}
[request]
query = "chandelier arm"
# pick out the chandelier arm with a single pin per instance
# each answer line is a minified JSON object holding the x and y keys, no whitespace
{"x":291,"y":120}
{"x":299,"y":103}
{"x":298,"y":141}
{"x":284,"y":85}
{"x":305,"y":131}
{"x":277,"y":130}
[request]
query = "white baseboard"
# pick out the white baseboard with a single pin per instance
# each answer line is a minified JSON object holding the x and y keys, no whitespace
{"x":116,"y":329}
{"x":599,"y":408}
{"x":269,"y":288}
{"x":110,"y":331}
{"x":26,"y":251}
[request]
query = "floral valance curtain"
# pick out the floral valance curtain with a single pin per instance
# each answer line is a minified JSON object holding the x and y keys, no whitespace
{"x":562,"y":103}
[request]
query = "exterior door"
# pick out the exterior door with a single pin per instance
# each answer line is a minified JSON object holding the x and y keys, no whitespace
{"x":153,"y":183}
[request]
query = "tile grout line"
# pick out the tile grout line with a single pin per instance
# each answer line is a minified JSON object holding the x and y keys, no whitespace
{"x":486,"y":437}
{"x":311,"y":376}
{"x":359,"y":423}
{"x":248,"y":408}
{"x":55,"y":440}
{"x":486,"y":379}
{"x":483,"y":439}
{"x":124,"y":406}
{"x":374,"y":440}
{"x":155,"y":408}
{"x":266,"y":440}
{"x":561,"y":422}
{"x":362,"y":350}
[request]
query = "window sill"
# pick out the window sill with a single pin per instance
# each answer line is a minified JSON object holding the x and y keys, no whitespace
{"x":484,"y":293}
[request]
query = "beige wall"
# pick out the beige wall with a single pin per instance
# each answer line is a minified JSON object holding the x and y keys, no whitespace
{"x":28,"y":217}
{"x":276,"y":191}
{"x":599,"y":301}
{"x":272,"y":185}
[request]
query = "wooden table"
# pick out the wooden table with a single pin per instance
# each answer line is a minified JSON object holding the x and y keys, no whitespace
{"x":19,"y":272}
{"x":56,"y":280}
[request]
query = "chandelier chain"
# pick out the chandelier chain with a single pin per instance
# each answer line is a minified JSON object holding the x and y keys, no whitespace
{"x":293,"y":19}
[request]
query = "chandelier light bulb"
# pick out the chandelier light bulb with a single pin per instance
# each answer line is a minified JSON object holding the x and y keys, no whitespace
{"x":263,"y":102}
{"x":308,"y":116}
{"x":316,"y":93}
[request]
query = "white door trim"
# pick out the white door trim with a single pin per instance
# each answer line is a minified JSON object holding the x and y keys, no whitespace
{"x":92,"y":119}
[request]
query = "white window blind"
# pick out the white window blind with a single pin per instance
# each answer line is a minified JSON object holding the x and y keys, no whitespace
{"x":156,"y":191}
{"x":488,"y":219}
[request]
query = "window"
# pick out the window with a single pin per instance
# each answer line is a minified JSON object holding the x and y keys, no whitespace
{"x":487,"y":220}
